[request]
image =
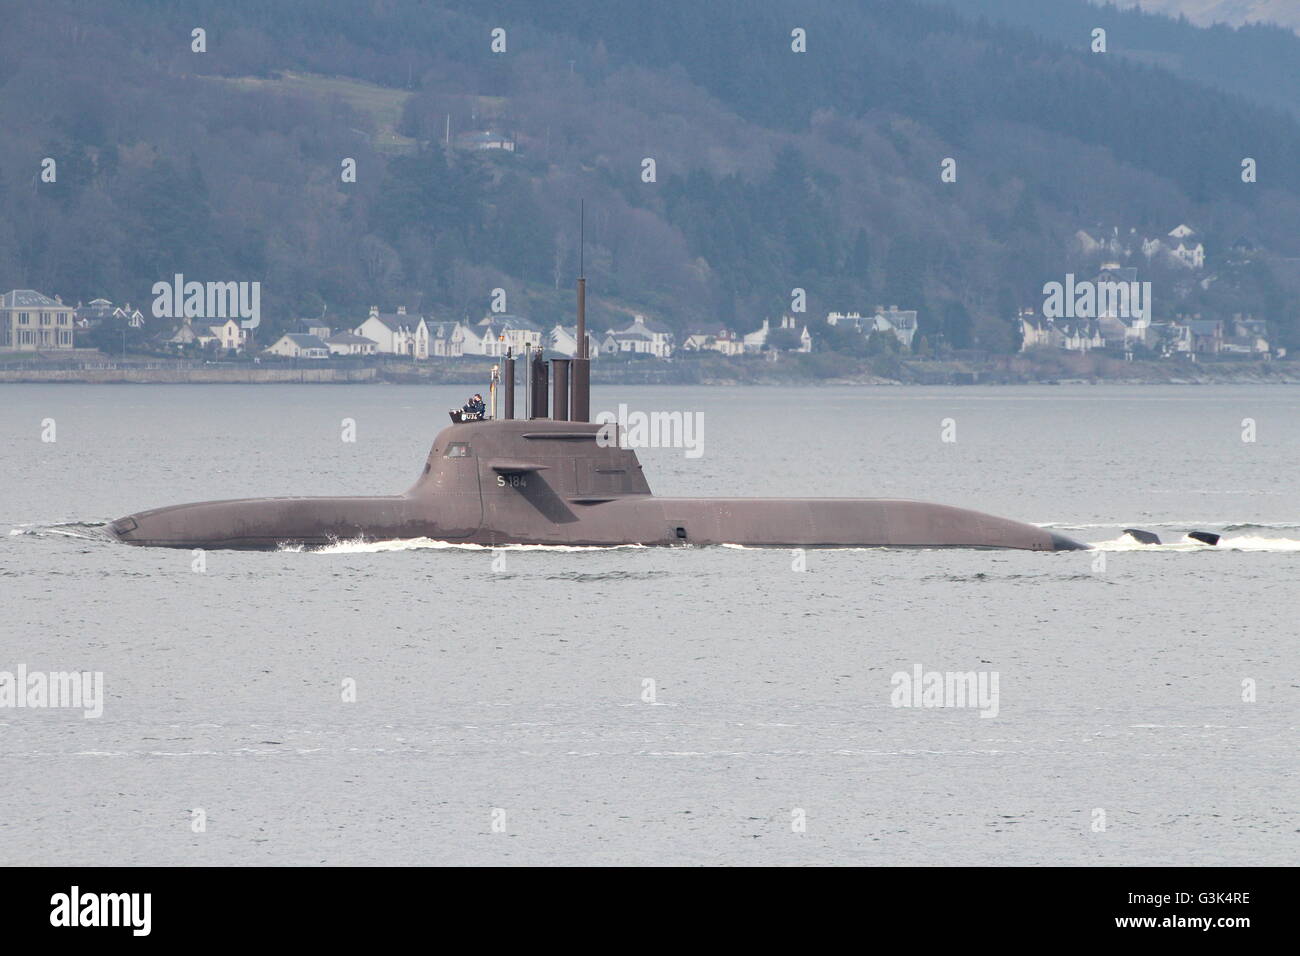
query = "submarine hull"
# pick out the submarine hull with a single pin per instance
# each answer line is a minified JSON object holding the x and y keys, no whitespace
{"x":565,"y":483}
{"x":271,"y":523}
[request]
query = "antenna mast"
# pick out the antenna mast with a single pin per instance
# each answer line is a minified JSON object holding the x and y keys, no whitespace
{"x":582,"y":278}
{"x":580,"y":406}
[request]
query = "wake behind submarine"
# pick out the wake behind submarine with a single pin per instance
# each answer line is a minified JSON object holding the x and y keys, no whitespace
{"x":546,"y":479}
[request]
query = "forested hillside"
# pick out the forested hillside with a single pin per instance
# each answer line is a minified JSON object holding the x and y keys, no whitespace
{"x":1231,"y":12}
{"x":773,"y":169}
{"x":1258,"y":61}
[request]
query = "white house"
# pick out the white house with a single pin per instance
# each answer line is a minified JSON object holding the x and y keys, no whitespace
{"x":218,"y":335}
{"x":563,"y":340}
{"x":228,"y":335}
{"x":479,"y":339}
{"x":396,"y":333}
{"x":643,"y":336}
{"x":31,"y":321}
{"x":517,"y":330}
{"x":756,"y":341}
{"x":1180,"y":247}
{"x":715,"y":340}
{"x":349,"y":343}
{"x":901,"y":322}
{"x":634,"y":342}
{"x":1195,"y":335}
{"x":494,"y":334}
{"x":446,"y":339}
{"x":132,"y":317}
{"x":1072,"y":335}
{"x":298,"y":345}
{"x":1190,"y":254}
{"x":1080,"y":335}
{"x":93,"y":313}
{"x":1037,"y":332}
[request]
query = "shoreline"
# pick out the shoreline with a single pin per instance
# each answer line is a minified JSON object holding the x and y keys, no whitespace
{"x":803,"y":370}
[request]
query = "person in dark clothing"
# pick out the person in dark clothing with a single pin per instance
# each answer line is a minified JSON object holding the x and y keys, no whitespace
{"x":474,"y":407}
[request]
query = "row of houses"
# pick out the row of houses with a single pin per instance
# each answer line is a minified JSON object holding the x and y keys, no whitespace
{"x":408,"y":334}
{"x":221,"y":334}
{"x":900,"y":323}
{"x":32,"y":321}
{"x":98,"y":311}
{"x":760,"y":340}
{"x":1181,"y":247}
{"x":418,"y":337}
{"x":1185,"y":335}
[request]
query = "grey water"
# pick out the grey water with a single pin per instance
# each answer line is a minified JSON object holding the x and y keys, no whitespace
{"x":643,"y":706}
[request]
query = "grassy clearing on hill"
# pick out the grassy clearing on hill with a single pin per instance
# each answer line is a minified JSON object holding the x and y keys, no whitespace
{"x":382,"y":103}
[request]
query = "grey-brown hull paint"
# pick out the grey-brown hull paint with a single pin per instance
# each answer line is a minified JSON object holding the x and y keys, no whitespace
{"x":552,"y":483}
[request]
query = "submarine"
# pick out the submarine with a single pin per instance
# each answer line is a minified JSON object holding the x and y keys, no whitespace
{"x":552,"y":477}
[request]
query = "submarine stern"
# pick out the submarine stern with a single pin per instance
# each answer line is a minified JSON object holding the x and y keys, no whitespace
{"x":818,"y":523}
{"x":1061,"y":543}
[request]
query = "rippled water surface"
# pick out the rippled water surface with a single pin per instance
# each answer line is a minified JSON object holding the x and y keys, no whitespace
{"x":522,"y":687}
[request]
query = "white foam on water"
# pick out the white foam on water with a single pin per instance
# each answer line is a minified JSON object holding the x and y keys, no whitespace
{"x":359,"y":546}
{"x":820,"y":548}
{"x":1244,"y":543}
{"x":1176,"y":524}
{"x":84,"y":530}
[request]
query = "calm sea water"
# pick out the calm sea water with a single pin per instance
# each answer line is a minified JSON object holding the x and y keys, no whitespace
{"x":519,"y":696}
